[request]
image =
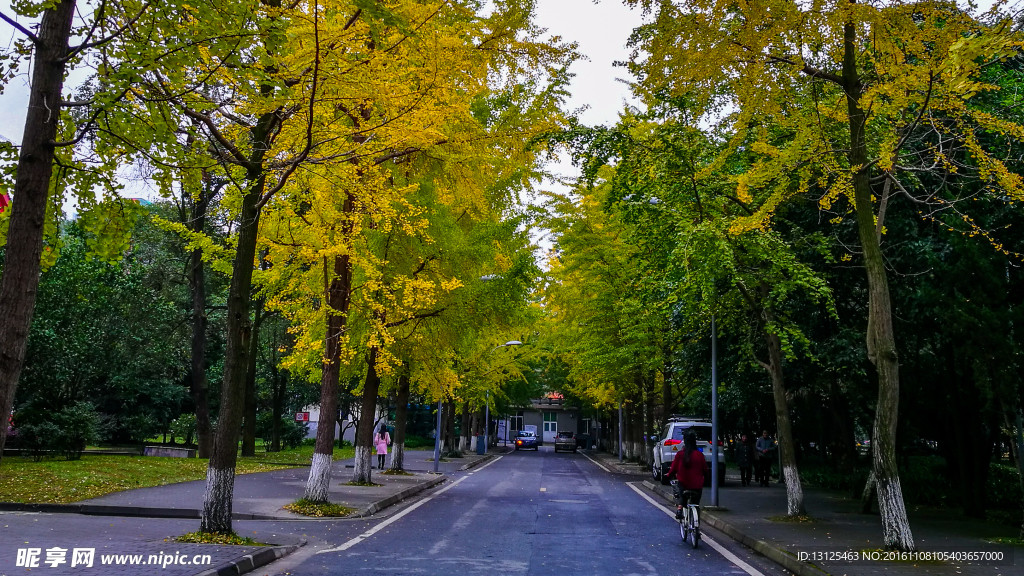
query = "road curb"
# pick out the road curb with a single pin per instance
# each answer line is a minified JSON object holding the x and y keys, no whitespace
{"x":476,"y":462}
{"x":383,"y":503}
{"x":760,"y":546}
{"x":249,"y":562}
{"x":125,"y":511}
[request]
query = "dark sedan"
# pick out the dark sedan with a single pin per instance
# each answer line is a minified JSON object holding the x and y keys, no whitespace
{"x":527,"y":439}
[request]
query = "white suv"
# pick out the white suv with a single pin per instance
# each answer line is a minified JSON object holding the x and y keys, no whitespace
{"x":671,"y":441}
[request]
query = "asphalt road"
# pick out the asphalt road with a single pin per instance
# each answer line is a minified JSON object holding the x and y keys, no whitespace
{"x":536,"y":513}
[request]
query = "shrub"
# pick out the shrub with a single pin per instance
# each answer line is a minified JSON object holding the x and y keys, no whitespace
{"x":67,"y":431}
{"x":412,"y":442}
{"x":79,"y":425}
{"x":293,"y":434}
{"x":184,"y":427}
{"x":37,"y":438}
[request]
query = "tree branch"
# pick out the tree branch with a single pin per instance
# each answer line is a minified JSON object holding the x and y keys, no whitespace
{"x":22,"y":29}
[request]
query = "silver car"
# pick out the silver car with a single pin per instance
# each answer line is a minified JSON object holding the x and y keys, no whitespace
{"x":671,"y":442}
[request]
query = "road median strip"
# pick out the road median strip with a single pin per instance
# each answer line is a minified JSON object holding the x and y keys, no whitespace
{"x":763,"y":548}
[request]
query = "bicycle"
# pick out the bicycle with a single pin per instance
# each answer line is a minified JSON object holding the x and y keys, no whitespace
{"x":689,"y":522}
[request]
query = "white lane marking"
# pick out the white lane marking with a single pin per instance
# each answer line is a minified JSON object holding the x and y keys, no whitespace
{"x":718,"y":547}
{"x":488,"y":464}
{"x":391,"y":520}
{"x":595,"y":462}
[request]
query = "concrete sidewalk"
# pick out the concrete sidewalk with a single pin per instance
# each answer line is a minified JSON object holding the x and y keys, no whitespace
{"x":126,"y":546}
{"x":753,"y":513}
{"x":262,"y":495}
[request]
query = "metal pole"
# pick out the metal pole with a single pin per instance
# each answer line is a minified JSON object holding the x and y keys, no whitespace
{"x":437,"y":438}
{"x":778,"y":448}
{"x":620,"y":431}
{"x":714,"y":414}
{"x":487,"y":420}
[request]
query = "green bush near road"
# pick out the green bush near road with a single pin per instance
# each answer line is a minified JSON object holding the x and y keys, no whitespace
{"x":925,"y":483}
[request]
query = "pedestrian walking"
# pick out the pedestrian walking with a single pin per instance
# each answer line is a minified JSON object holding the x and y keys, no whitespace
{"x":764,"y":449}
{"x":381,"y":440}
{"x":745,"y":459}
{"x":688,"y":467}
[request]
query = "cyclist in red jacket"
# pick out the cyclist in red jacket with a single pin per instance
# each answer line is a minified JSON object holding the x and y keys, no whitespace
{"x":689,"y":468}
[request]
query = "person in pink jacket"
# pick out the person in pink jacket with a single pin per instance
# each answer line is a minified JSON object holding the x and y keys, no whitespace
{"x":381,"y":439}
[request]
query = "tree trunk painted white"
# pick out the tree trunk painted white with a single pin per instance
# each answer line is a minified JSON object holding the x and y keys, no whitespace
{"x":895,"y":527}
{"x":880,"y":337}
{"x":363,"y":471}
{"x":462,"y":443}
{"x":787,"y":454}
{"x":220,"y":485}
{"x":472,"y":445}
{"x":318,"y":485}
{"x":398,"y":457}
{"x":794,"y":491}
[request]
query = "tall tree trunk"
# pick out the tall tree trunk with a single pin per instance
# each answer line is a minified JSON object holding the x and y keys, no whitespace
{"x":666,"y":398}
{"x":277,"y":407}
{"x":794,"y":490}
{"x":249,"y":422}
{"x":881,"y":341}
{"x":842,"y":436}
{"x":363,"y":472}
{"x":448,"y":427}
{"x":338,"y":288}
{"x":464,"y":432}
{"x":220,"y":475}
{"x":198,"y":384}
{"x":20,"y":276}
{"x":401,"y":416}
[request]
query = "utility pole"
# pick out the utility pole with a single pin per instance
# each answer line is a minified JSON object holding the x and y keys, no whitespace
{"x":487,"y":420}
{"x":714,"y":414}
{"x":437,"y":438}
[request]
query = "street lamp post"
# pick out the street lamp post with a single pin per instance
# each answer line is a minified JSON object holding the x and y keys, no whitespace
{"x":714,"y":414}
{"x":487,"y":401}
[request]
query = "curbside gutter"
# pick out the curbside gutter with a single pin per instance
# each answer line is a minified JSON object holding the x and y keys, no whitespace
{"x":250,"y":562}
{"x":763,"y":548}
{"x":395,"y":498}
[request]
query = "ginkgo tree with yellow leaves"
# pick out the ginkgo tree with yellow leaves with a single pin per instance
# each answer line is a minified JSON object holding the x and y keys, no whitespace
{"x":328,"y":236}
{"x":833,"y":94}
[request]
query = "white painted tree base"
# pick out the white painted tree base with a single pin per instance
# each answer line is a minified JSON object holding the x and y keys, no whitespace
{"x":794,"y":492}
{"x":895,"y":526}
{"x":220,"y":486}
{"x":398,"y":457}
{"x":363,"y":471}
{"x":319,"y":482}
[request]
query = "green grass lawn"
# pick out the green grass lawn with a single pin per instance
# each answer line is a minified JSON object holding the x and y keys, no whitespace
{"x":59,"y":481}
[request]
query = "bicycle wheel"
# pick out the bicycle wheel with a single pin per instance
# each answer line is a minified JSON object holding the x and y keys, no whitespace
{"x":683,"y":531}
{"x":694,"y":530}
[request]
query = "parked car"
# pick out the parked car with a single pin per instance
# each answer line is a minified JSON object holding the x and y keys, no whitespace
{"x":671,"y":441}
{"x":565,"y":441}
{"x":527,"y":439}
